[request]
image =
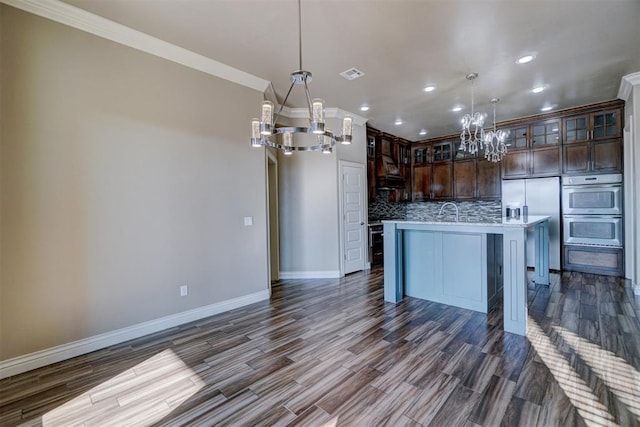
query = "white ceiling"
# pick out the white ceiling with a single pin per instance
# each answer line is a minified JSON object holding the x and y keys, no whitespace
{"x":582,"y":49}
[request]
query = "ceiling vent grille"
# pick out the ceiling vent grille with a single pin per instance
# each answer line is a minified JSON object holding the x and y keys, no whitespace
{"x":352,"y":74}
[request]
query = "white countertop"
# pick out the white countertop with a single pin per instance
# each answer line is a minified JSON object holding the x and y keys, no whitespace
{"x":504,"y":222}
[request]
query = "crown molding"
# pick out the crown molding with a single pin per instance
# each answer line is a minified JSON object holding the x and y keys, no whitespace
{"x":626,"y":85}
{"x":80,"y":19}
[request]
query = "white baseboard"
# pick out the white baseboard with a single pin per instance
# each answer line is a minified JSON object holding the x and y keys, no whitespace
{"x":41,"y":358}
{"x":328,"y":274}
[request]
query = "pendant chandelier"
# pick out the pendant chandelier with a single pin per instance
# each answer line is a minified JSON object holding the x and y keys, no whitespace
{"x":472,"y":136}
{"x":494,"y":146}
{"x":264,"y":132}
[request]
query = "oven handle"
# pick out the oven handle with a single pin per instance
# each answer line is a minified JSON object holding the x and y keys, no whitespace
{"x":372,"y":233}
{"x":589,"y":216}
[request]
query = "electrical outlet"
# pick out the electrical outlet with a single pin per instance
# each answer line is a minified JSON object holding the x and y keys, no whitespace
{"x":184,"y":290}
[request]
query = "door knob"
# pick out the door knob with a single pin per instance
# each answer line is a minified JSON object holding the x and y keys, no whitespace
{"x":362,"y":223}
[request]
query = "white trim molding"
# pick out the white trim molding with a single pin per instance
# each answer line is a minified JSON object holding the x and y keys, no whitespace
{"x":80,"y":19}
{"x":328,"y":274}
{"x":41,"y":358}
{"x":626,"y":85}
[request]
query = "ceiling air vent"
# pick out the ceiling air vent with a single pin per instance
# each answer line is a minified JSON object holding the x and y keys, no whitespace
{"x":352,"y":74}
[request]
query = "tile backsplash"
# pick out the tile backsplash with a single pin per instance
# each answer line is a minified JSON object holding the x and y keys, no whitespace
{"x":381,"y":208}
{"x":482,"y":209}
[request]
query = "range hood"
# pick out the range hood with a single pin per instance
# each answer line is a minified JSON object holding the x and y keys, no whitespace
{"x":387,"y":174}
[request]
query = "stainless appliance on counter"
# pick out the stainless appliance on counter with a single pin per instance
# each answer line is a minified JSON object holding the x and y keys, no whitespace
{"x":541,"y":196}
{"x":592,"y":224}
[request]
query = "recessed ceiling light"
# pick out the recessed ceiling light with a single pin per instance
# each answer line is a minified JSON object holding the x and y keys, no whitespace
{"x":364,"y":108}
{"x":537,"y":89}
{"x":398,"y":122}
{"x":456,"y":109}
{"x":429,"y":88}
{"x":525,"y":59}
{"x":423,"y":132}
{"x":547,"y":108}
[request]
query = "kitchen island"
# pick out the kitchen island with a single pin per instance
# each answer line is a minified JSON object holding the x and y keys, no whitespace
{"x":455,"y":262}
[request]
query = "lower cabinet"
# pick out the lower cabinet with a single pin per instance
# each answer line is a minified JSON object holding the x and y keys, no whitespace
{"x":594,"y":259}
{"x":432,"y":268}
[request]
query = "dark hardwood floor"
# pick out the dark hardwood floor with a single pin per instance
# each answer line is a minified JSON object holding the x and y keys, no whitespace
{"x":332,"y":352}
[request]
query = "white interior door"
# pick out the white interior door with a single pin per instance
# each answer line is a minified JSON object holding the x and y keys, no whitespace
{"x":353,"y":224}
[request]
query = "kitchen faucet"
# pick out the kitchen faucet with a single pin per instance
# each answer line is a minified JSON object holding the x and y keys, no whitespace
{"x":452,"y":204}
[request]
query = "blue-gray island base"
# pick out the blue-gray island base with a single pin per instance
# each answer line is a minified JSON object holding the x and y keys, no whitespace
{"x":463,"y":264}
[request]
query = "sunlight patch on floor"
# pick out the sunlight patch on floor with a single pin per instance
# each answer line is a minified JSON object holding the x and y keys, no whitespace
{"x":579,"y":393}
{"x":143,"y":394}
{"x":621,"y":378}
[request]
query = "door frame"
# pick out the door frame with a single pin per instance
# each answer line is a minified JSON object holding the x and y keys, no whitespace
{"x":341,"y":251}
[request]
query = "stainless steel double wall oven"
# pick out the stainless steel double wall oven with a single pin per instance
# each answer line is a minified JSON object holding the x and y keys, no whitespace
{"x":592,"y":223}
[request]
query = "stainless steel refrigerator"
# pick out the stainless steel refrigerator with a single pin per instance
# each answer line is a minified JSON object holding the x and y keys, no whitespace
{"x":542,"y":196}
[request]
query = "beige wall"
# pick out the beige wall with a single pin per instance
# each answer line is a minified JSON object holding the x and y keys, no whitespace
{"x":122,"y":177}
{"x":309,"y":212}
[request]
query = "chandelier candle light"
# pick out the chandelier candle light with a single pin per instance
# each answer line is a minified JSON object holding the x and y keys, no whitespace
{"x":263,"y":129}
{"x":494,"y":146}
{"x":472,"y":136}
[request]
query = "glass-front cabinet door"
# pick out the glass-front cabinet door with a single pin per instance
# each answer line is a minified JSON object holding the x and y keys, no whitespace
{"x":545,"y":133}
{"x":592,"y":127}
{"x":606,"y":125}
{"x":576,"y":129}
{"x":517,"y":138}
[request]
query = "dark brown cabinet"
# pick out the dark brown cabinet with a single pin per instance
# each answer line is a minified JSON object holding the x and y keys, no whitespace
{"x":594,"y":157}
{"x":432,"y":171}
{"x":475,"y":177}
{"x":545,"y":161}
{"x":371,"y":166}
{"x":594,"y":126}
{"x":537,"y":134}
{"x":533,"y":150}
{"x":489,"y":185}
{"x":593,"y":142}
{"x":515,"y":164}
{"x":421,"y":182}
{"x":442,"y":182}
{"x":580,"y":140}
{"x":465,"y":181}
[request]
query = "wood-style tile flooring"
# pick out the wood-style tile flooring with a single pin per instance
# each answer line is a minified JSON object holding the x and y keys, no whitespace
{"x":332,"y":352}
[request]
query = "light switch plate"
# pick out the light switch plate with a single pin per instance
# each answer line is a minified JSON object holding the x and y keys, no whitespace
{"x":248,"y":220}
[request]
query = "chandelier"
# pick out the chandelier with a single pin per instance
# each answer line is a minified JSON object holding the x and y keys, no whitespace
{"x":472,"y":136}
{"x":264,"y":132}
{"x":494,"y":146}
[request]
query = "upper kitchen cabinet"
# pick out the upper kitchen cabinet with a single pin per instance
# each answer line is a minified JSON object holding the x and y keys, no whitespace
{"x":538,"y":162}
{"x":594,"y":126}
{"x":537,"y":134}
{"x":593,"y":157}
{"x":432,"y":171}
{"x":403,"y":159}
{"x":474,"y":177}
{"x":371,"y":165}
{"x":533,"y":149}
{"x":593,"y":141}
